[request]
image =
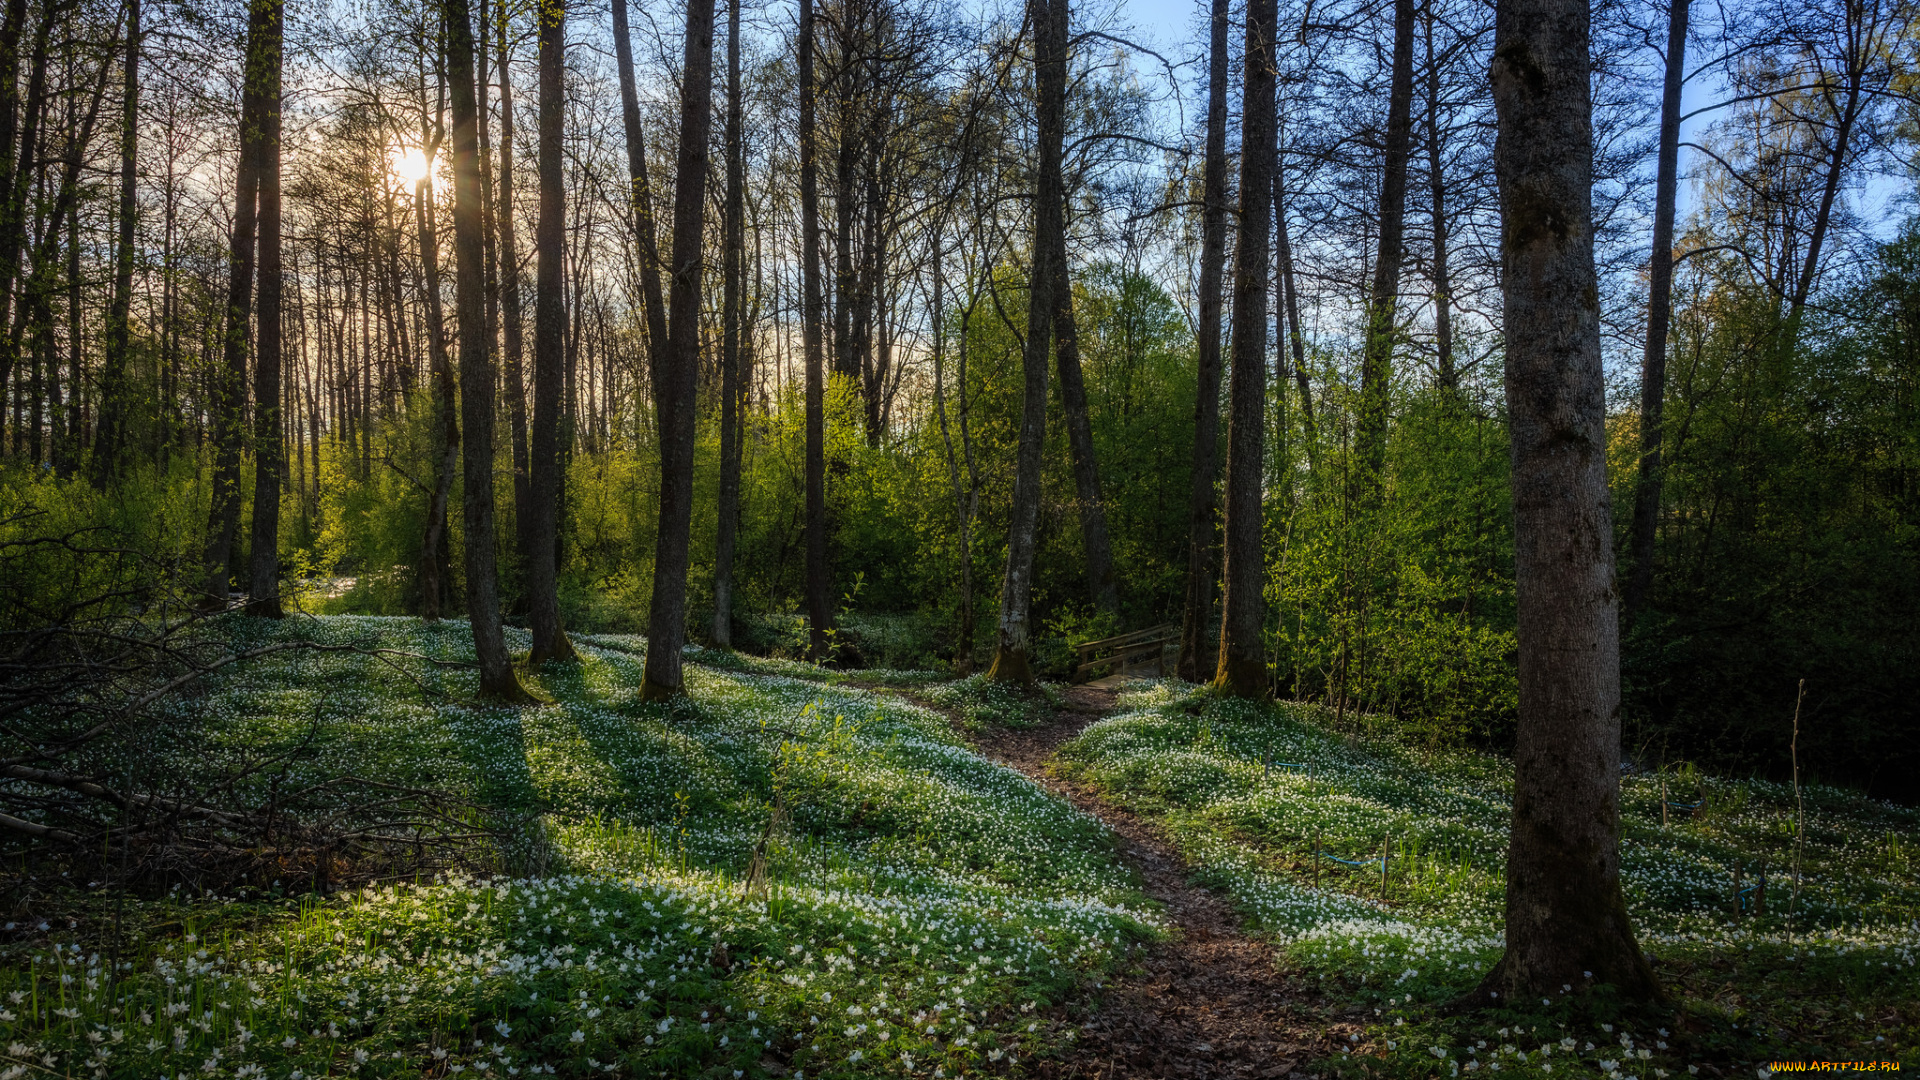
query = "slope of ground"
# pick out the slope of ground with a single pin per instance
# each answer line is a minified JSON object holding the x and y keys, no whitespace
{"x":1292,"y":820}
{"x":778,"y":876}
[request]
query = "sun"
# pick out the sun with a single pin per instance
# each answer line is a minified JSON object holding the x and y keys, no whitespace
{"x":409,"y":164}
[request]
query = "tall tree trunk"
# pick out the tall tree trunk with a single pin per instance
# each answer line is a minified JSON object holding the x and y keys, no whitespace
{"x":269,"y":436}
{"x":512,"y":319}
{"x":1012,"y":658}
{"x":1830,"y":191}
{"x":1202,"y":517}
{"x":819,"y":586}
{"x":733,"y":259}
{"x":435,"y":552}
{"x":497,"y":679}
{"x":1104,"y":590}
{"x":1296,"y":335}
{"x":1242,"y":670}
{"x":640,"y":191}
{"x":541,"y":531}
{"x":110,"y":445}
{"x":846,"y":354}
{"x":673,"y":377}
{"x":1376,"y":368}
{"x":1653,"y":357}
{"x":1437,"y":184}
{"x":963,"y":519}
{"x":1566,"y":919}
{"x":17,"y":163}
{"x":229,"y":390}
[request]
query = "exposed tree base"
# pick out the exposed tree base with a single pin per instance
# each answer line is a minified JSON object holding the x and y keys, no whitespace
{"x":266,"y":607}
{"x":561,"y":648}
{"x":1596,"y":948}
{"x":507,"y":691}
{"x":1241,"y":678}
{"x":1011,"y":666}
{"x":655,"y":691}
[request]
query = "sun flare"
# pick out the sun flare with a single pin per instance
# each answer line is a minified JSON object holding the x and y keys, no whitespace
{"x":411,"y":165}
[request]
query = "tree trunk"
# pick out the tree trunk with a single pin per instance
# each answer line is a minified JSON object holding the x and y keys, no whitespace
{"x":819,"y":587}
{"x":674,"y":372}
{"x":1101,"y":586}
{"x":1823,"y":214}
{"x":541,"y":530}
{"x":1242,"y":669}
{"x":17,"y":164}
{"x":1296,"y":336}
{"x":733,"y":257}
{"x":846,"y":355}
{"x":497,"y":680}
{"x":110,"y":445}
{"x":1566,"y":919}
{"x":1202,"y":517}
{"x":963,"y":518}
{"x":229,"y":390}
{"x":512,"y":318}
{"x":433,"y":572}
{"x":1376,"y":368}
{"x":1653,"y":358}
{"x":640,"y":190}
{"x":1437,"y":184}
{"x":1012,"y":658}
{"x":269,"y":437}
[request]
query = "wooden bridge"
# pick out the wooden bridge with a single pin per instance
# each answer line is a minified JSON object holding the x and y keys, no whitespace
{"x":1127,"y":657}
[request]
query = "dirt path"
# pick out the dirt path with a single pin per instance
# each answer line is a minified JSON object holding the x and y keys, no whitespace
{"x":1207,"y":1003}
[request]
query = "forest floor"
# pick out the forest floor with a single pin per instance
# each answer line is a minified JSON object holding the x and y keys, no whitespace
{"x":809,"y":874}
{"x":1209,"y":1001}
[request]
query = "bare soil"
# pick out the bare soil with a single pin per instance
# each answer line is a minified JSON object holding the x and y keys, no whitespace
{"x":1210,"y":1001}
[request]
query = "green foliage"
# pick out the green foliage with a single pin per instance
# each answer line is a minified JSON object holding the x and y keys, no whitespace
{"x":1394,"y":595}
{"x":1789,"y":546}
{"x":145,"y":531}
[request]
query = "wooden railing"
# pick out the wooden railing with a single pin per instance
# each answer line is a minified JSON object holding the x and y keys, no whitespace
{"x":1125,"y":651}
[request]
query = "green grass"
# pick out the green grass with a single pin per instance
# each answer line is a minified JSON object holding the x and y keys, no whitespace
{"x":1837,"y":977}
{"x":922,"y":909}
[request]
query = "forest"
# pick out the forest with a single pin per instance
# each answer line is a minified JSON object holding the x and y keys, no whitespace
{"x":1248,"y":538}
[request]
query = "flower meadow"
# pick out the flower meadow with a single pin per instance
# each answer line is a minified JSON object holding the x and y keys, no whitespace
{"x":1251,"y":793}
{"x":781,"y":875}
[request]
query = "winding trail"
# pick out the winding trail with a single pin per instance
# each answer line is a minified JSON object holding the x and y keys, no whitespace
{"x":1208,"y":1002}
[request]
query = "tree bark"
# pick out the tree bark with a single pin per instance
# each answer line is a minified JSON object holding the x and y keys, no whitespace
{"x":17,"y":164}
{"x":1242,"y":670}
{"x":435,"y":569}
{"x":497,"y":679}
{"x":640,"y":190}
{"x":1101,"y":585}
{"x":1566,"y":919}
{"x":1013,"y":651}
{"x":732,"y":259}
{"x":1653,"y":358}
{"x":229,"y":390}
{"x":541,"y":531}
{"x":674,"y":372}
{"x":1296,"y":336}
{"x":1437,"y":185}
{"x":269,"y":436}
{"x":1376,"y":368}
{"x":512,"y":317}
{"x":1203,"y":542}
{"x":819,"y":586}
{"x":110,"y":441}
